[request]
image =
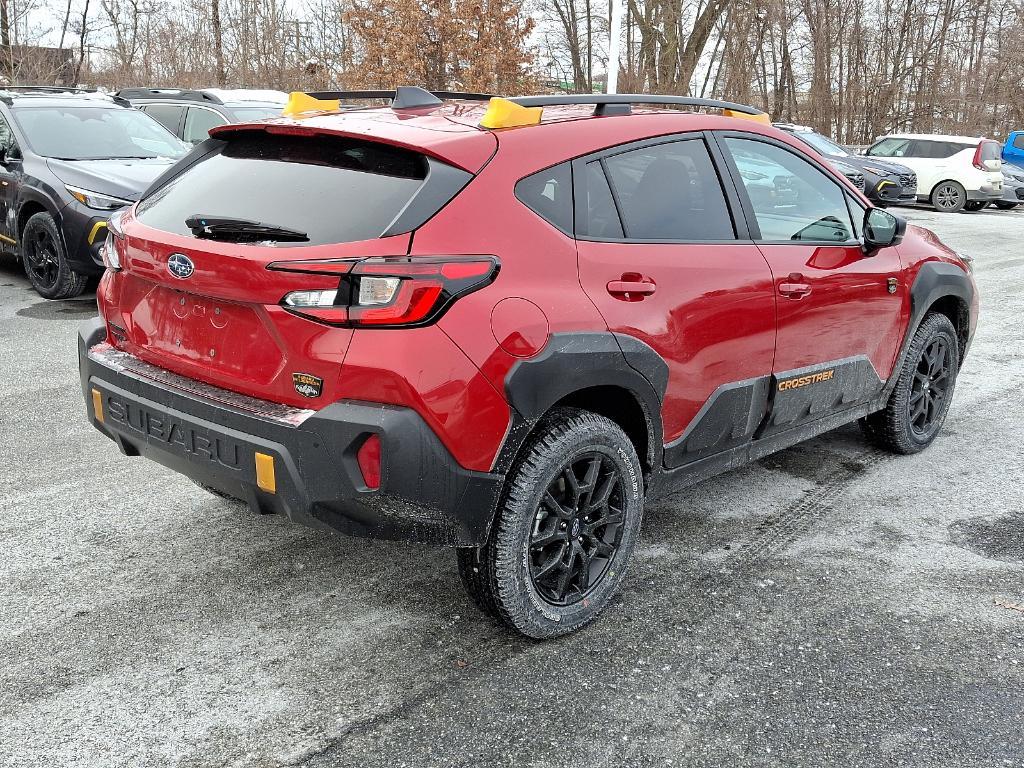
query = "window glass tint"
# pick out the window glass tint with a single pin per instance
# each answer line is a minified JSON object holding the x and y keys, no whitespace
{"x":198,"y":123}
{"x":602,"y":217}
{"x":856,"y":215}
{"x":548,"y":193}
{"x":1018,"y":141}
{"x":670,"y":192}
{"x":168,"y":115}
{"x":890,"y":148}
{"x":792,"y":199}
{"x":335,"y":190}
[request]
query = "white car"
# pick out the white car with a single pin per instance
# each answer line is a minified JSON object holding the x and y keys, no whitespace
{"x":953,"y":172}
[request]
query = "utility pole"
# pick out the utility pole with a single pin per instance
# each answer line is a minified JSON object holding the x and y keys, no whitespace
{"x":613,"y":46}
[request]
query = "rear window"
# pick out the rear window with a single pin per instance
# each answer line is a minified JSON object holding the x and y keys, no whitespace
{"x":991,"y":150}
{"x":334,"y":190}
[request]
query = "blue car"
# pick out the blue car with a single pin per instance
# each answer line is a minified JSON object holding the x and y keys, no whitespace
{"x":1013,"y":172}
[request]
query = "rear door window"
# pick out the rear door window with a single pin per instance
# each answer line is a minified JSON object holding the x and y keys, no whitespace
{"x":602,"y":217}
{"x":168,"y":115}
{"x":332,"y":189}
{"x":670,"y":191}
{"x":198,"y":123}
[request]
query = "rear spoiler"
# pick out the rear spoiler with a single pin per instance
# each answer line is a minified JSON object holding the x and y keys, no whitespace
{"x":468,"y":149}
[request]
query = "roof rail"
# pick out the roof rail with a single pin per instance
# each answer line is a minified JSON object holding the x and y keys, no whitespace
{"x":182,"y":94}
{"x":403,"y":97}
{"x":621,"y":103}
{"x":48,"y":88}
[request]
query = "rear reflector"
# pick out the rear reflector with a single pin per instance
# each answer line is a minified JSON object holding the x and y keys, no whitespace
{"x":368,"y":457}
{"x":387,"y":291}
{"x":265,"y":477}
{"x":97,"y":405}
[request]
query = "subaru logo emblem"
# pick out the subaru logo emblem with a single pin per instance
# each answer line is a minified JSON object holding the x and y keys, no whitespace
{"x":180,"y":265}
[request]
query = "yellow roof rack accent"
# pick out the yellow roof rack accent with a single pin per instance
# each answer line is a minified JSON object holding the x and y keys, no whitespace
{"x":502,"y":113}
{"x":299,"y":103}
{"x":760,"y":117}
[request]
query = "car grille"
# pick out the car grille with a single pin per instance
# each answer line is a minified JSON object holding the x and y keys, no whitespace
{"x":857,"y":179}
{"x":908,"y":181}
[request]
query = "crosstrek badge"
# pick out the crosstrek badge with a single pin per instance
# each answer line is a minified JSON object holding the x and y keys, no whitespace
{"x":307,"y":385}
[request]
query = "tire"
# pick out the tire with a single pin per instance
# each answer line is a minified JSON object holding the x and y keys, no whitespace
{"x":530,"y":574}
{"x":931,"y":365}
{"x":45,"y":261}
{"x":949,"y":197}
{"x":975,"y":205}
{"x":217,"y":493}
{"x":1005,"y":206}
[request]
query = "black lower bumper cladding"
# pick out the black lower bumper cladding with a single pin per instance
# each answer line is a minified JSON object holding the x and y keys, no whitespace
{"x":215,"y":437}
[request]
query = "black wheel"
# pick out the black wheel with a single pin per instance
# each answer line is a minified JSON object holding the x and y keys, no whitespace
{"x":565,"y":528}
{"x":975,"y":205}
{"x":1005,"y":206}
{"x":46,"y":264}
{"x":919,"y":403}
{"x":949,"y":197}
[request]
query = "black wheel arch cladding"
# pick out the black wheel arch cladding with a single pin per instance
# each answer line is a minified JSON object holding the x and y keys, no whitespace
{"x":572,"y":363}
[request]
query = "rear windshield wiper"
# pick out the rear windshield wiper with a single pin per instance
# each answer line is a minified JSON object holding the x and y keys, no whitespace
{"x":241,"y":230}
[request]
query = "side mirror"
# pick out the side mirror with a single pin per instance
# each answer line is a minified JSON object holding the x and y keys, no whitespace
{"x":882,"y":229}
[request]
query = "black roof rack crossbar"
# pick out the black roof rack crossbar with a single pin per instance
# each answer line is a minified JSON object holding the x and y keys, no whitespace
{"x":182,"y":94}
{"x":619,"y":103}
{"x":403,"y":97}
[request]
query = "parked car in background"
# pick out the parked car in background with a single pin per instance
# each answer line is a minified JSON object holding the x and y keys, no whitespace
{"x":1013,"y":187}
{"x":68,"y":159}
{"x":190,"y":114}
{"x":1013,"y":149}
{"x":954,"y":173}
{"x":883,"y":181}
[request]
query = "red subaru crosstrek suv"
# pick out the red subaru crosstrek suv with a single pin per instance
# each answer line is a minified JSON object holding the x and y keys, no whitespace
{"x":507,"y":327}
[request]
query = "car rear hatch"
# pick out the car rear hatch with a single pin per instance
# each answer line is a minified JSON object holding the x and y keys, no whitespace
{"x":212,"y":258}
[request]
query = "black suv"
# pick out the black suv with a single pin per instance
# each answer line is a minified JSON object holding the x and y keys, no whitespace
{"x":190,"y":114}
{"x":884,"y":182}
{"x":68,"y":159}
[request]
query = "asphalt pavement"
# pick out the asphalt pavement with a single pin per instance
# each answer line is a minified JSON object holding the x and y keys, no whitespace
{"x":831,"y":605}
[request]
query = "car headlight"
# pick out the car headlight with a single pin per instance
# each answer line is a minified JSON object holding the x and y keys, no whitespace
{"x":96,"y":200}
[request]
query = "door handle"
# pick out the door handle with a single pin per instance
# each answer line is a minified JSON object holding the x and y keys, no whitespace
{"x":631,"y":287}
{"x":794,"y":290}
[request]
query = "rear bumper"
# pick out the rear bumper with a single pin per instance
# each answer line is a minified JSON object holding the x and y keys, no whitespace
{"x":988,"y":192}
{"x":212,"y":436}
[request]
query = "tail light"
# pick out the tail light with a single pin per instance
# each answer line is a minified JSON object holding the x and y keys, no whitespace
{"x":977,"y":157}
{"x":387,"y":291}
{"x":115,"y":236}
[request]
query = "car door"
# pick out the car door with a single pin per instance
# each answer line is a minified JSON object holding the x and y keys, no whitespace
{"x":10,"y":175}
{"x":199,"y":121}
{"x":841,"y":311}
{"x":664,"y":256}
